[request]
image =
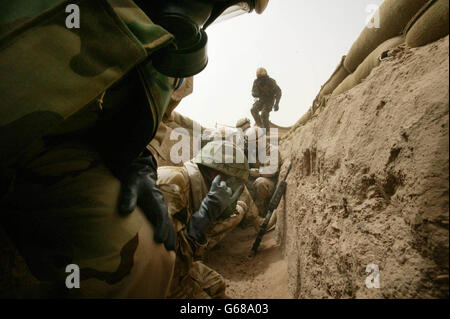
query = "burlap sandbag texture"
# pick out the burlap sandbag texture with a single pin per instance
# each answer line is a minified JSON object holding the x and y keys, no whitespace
{"x":336,"y":78}
{"x":364,"y":69}
{"x":394,"y":16}
{"x":429,"y":25}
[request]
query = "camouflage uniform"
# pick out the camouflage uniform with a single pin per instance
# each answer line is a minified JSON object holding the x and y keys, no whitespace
{"x":267,"y":92}
{"x":57,"y":128}
{"x":263,"y":178}
{"x":184,"y":188}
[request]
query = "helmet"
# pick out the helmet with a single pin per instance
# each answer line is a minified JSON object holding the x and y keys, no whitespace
{"x":243,"y":124}
{"x":254,"y":134}
{"x":187,"y":21}
{"x":261,"y":72}
{"x":225,"y":157}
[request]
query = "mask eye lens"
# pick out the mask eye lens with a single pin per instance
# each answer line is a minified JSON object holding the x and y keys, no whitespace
{"x":233,"y":11}
{"x":261,"y":5}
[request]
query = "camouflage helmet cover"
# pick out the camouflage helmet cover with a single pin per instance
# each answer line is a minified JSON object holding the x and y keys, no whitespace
{"x":261,"y":72}
{"x":243,"y":124}
{"x":225,"y":157}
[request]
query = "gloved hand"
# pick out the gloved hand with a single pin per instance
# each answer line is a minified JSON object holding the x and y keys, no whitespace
{"x":276,"y":107}
{"x":139,"y":188}
{"x":213,"y":205}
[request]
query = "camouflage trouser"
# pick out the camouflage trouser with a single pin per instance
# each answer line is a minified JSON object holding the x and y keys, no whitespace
{"x":261,"y":191}
{"x":223,"y":227}
{"x":202,"y":282}
{"x":264,"y":107}
{"x":251,"y":210}
{"x":63,"y":210}
{"x":263,"y":188}
{"x":192,"y":279}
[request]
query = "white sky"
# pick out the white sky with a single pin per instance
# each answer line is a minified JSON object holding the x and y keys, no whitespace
{"x":299,"y":42}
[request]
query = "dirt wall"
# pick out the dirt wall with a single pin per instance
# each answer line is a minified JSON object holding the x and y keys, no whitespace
{"x":369,"y":185}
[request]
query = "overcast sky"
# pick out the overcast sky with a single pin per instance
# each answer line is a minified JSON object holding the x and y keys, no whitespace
{"x":299,"y":42}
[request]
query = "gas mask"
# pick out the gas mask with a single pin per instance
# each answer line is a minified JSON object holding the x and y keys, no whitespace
{"x":187,"y":20}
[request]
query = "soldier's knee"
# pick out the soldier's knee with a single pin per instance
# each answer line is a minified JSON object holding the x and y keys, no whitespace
{"x":263,"y":187}
{"x":265,"y":114}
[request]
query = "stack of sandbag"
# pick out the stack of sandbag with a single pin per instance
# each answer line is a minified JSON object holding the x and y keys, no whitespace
{"x":430,"y":24}
{"x":393,"y":15}
{"x":339,"y":74}
{"x":370,"y":62}
{"x":414,"y":22}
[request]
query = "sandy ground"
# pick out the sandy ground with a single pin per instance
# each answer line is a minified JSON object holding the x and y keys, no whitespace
{"x":261,"y":277}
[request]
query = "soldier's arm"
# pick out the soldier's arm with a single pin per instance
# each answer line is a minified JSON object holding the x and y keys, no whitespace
{"x":255,"y":89}
{"x":278,"y":92}
{"x":175,"y":189}
{"x":125,"y":126}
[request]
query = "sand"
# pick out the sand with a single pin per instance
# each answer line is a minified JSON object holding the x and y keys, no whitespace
{"x":261,"y":277}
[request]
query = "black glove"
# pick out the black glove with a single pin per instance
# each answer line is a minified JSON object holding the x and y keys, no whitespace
{"x":139,"y":188}
{"x":276,"y":107}
{"x":213,"y":205}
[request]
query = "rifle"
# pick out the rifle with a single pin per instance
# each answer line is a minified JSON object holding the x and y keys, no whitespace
{"x":273,"y":204}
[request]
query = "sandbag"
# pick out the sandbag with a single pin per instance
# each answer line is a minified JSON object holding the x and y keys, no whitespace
{"x":304,"y":119}
{"x":339,"y":74}
{"x":429,"y":25}
{"x":394,"y":16}
{"x":364,"y":69}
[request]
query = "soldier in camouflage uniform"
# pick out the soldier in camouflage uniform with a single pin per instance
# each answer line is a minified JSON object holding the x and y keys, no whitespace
{"x":267,"y":94}
{"x":79,"y":105}
{"x":263,"y":173}
{"x":237,"y":136}
{"x":187,"y":191}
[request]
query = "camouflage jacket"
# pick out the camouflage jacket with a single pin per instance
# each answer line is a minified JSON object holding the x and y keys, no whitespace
{"x":183,"y":189}
{"x":266,"y":89}
{"x":55,"y":76}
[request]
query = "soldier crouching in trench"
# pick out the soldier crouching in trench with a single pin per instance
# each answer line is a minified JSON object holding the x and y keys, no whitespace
{"x":77,"y":185}
{"x":197,"y":195}
{"x":264,"y":161}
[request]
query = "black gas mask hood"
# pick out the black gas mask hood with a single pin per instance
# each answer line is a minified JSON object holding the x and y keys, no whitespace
{"x":187,"y":21}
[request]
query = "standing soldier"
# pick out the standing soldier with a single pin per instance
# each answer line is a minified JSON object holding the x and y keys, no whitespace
{"x":267,"y":94}
{"x":79,"y":106}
